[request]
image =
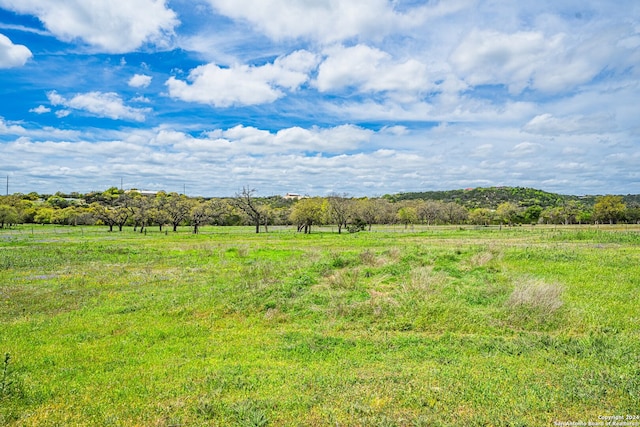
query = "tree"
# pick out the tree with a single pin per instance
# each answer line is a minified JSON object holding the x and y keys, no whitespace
{"x":308,"y":212}
{"x":508,"y":213}
{"x":177,"y":208}
{"x":141,"y":207}
{"x":569,"y":211}
{"x":481,"y":216}
{"x":246,"y":202}
{"x":199,"y":214}
{"x":158,"y":214}
{"x":429,"y":211}
{"x":633,"y":213}
{"x":609,"y":209}
{"x":407,"y":215}
{"x":340,"y":210}
{"x":8,"y":216}
{"x":123,"y":210}
{"x":105,"y":214}
{"x":454,"y":213}
{"x":532,"y":214}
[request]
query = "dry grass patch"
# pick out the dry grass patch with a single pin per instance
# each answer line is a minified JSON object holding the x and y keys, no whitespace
{"x":535,"y":301}
{"x":424,"y":280}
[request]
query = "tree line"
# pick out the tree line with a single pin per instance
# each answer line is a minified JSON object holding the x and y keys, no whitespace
{"x":116,"y":209}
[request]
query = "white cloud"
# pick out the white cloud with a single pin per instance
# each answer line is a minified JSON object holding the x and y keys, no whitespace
{"x":12,"y":55}
{"x":491,"y":57}
{"x":547,"y":124}
{"x":482,"y":151}
{"x":10,"y":128}
{"x":324,"y":20}
{"x":553,"y":63}
{"x":248,"y":139}
{"x":244,"y":84}
{"x":369,"y":69}
{"x":114,"y":27}
{"x":140,"y":80}
{"x":40,"y":109}
{"x":525,"y":149}
{"x":100,"y":104}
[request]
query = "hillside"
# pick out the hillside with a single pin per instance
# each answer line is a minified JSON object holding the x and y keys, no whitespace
{"x":491,"y":197}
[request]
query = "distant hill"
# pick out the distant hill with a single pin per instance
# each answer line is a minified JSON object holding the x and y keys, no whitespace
{"x":491,"y":197}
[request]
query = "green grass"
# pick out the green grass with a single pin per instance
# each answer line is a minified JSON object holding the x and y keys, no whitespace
{"x":436,"y":326}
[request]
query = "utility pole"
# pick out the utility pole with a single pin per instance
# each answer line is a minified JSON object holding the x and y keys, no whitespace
{"x":7,"y":185}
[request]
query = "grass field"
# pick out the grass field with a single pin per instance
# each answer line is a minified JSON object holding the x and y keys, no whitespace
{"x":527,"y":326}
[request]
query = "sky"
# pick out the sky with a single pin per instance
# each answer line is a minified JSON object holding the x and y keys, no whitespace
{"x":357,"y":97}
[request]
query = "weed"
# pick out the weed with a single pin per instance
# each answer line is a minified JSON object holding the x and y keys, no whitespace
{"x":344,"y":279}
{"x":535,"y":300}
{"x":5,"y":382}
{"x":248,"y":414}
{"x":338,"y":260}
{"x":206,"y":409}
{"x":367,"y":257}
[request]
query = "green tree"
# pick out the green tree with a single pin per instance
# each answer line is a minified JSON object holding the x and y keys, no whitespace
{"x":141,"y":207}
{"x":532,"y":214}
{"x":308,"y":212}
{"x":633,"y":213}
{"x":8,"y":215}
{"x":103,"y":213}
{"x":481,"y":216}
{"x":609,"y":209}
{"x":199,"y":214}
{"x":177,"y":207}
{"x":407,"y":215}
{"x":508,"y":213}
{"x":44,"y":215}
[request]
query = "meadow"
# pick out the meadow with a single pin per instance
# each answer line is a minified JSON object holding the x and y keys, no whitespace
{"x":437,"y":326}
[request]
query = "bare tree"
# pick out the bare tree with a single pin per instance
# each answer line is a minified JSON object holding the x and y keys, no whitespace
{"x":430,"y":210}
{"x":246,"y":202}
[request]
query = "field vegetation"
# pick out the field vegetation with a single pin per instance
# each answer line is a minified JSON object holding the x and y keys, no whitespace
{"x":435,"y":326}
{"x":117,"y":208}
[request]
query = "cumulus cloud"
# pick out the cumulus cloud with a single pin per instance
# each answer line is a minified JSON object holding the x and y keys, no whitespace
{"x":369,"y":69}
{"x":114,"y":27}
{"x":109,"y":105}
{"x":323,"y":20}
{"x":244,"y":84}
{"x":12,"y":55}
{"x":294,"y":139}
{"x":140,"y":80}
{"x":40,"y":109}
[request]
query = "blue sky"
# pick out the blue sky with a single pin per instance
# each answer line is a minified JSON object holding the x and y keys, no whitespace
{"x":364,"y":97}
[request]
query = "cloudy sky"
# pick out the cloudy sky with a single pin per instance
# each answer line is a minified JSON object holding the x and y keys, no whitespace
{"x":364,"y":97}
